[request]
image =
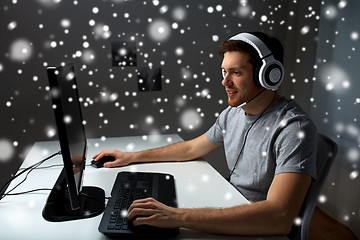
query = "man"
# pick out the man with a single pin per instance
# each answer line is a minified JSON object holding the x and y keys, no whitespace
{"x":269,"y":145}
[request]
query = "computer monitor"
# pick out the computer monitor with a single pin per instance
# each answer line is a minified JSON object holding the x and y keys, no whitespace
{"x":69,"y":200}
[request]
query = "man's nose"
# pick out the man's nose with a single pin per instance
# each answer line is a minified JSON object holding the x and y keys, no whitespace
{"x":227,"y":80}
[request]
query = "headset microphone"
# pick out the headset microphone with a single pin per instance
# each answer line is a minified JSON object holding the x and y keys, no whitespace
{"x":243,"y":104}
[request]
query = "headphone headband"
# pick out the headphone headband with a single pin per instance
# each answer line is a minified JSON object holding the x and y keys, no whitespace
{"x":271,"y":72}
{"x":255,"y":42}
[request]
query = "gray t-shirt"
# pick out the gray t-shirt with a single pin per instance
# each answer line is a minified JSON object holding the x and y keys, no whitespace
{"x":284,"y":139}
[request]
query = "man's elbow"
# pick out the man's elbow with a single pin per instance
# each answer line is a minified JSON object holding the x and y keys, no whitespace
{"x":285,"y":229}
{"x":284,"y":224}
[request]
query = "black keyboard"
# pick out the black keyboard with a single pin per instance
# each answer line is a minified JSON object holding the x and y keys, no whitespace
{"x":128,"y":187}
{"x":137,"y":186}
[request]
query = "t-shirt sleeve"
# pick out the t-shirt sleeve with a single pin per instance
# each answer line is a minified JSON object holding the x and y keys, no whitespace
{"x":296,"y":148}
{"x":216,"y":133}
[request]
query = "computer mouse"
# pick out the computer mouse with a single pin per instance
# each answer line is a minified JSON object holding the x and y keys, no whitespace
{"x":101,"y":161}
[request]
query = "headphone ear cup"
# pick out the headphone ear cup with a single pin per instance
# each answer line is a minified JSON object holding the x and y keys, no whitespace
{"x":271,"y":74}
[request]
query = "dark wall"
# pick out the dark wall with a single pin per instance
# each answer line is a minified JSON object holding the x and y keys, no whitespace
{"x":179,"y":38}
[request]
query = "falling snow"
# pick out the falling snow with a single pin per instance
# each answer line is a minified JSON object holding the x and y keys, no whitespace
{"x":181,"y":38}
{"x":6,"y":150}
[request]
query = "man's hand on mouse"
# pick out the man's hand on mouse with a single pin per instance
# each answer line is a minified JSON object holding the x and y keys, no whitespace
{"x":121,"y":158}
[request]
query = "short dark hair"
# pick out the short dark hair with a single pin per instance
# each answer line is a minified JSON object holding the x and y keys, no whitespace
{"x":272,"y":43}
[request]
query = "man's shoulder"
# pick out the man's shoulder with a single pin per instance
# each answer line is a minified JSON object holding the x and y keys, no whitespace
{"x":289,"y":113}
{"x":290,"y":108}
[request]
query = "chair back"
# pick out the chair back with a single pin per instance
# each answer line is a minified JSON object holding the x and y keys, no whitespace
{"x":326,"y":152}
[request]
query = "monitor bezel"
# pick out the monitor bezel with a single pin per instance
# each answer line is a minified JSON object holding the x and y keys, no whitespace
{"x":56,"y":75}
{"x":68,"y":199}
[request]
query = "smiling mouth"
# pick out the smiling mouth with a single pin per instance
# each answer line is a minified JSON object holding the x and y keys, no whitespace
{"x":231,"y":92}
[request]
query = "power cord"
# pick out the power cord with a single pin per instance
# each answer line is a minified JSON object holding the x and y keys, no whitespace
{"x":52,"y":166}
{"x":29,"y":169}
{"x":30,"y":191}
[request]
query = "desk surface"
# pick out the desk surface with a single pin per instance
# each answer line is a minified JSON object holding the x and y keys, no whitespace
{"x":197,"y":185}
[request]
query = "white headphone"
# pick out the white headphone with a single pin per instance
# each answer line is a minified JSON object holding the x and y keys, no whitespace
{"x":271,"y":72}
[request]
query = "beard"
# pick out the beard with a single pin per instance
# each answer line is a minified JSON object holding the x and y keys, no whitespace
{"x":235,"y":103}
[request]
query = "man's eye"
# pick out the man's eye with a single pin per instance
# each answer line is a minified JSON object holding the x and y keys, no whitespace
{"x":236,"y":73}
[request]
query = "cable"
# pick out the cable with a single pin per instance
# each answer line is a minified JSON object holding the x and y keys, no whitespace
{"x":246,"y":134}
{"x":33,"y":167}
{"x":29,"y":169}
{"x":30,"y":191}
{"x":51,"y":166}
{"x":44,"y":167}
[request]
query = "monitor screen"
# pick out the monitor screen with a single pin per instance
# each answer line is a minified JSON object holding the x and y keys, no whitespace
{"x":68,"y":197}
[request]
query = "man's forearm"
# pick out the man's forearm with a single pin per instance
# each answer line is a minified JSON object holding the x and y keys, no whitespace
{"x":181,"y":151}
{"x":253,"y":219}
{"x":173,"y":152}
{"x":273,"y":216}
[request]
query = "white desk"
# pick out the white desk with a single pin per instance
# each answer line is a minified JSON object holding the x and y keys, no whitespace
{"x":197,"y":185}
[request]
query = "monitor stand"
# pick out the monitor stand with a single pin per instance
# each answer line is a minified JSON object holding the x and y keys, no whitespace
{"x":58,"y":207}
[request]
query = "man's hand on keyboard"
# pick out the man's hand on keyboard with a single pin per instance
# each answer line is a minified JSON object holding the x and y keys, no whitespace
{"x":151,"y":212}
{"x":121,"y":158}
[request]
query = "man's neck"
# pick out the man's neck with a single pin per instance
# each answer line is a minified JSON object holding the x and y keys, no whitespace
{"x":264,"y":101}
